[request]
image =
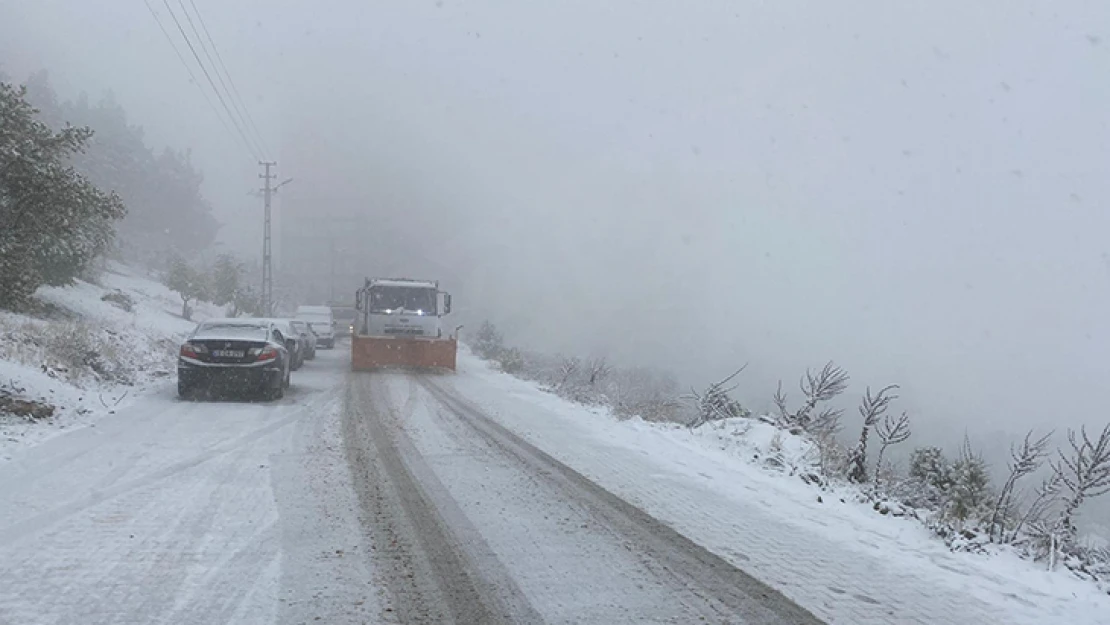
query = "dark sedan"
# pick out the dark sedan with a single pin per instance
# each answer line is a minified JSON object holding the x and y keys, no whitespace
{"x":235,"y":355}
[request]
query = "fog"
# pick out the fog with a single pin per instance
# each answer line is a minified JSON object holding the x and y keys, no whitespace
{"x":917,"y":191}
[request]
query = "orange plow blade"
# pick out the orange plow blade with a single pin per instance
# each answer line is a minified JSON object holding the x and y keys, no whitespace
{"x":375,"y":352}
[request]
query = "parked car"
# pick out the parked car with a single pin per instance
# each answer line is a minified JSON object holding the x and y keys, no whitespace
{"x":344,"y":317}
{"x":306,"y":333}
{"x":246,"y":355}
{"x":296,"y":345}
{"x":322,"y":322}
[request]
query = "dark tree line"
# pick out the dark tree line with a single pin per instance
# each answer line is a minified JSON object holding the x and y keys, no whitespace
{"x":77,"y":181}
{"x":161,"y":189}
{"x":54,"y":220}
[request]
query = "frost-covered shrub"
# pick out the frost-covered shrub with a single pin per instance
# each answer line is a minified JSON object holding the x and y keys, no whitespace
{"x":119,"y":299}
{"x":931,"y":467}
{"x":488,"y":342}
{"x":79,"y":350}
{"x":511,"y":360}
{"x":715,"y":404}
{"x":970,"y":495}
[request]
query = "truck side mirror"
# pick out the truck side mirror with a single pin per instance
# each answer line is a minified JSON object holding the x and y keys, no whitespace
{"x":446,"y":303}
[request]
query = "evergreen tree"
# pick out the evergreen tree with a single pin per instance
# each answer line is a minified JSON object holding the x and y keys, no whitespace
{"x":162,"y":192}
{"x":55,"y":220}
{"x":225,"y":281}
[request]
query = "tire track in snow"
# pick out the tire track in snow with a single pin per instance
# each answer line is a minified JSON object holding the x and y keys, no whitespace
{"x":437,"y":566}
{"x":727,"y":591}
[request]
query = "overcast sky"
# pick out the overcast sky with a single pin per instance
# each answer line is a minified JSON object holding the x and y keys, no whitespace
{"x":918,"y":191}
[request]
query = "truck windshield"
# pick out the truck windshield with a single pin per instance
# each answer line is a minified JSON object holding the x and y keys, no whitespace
{"x":384,"y":299}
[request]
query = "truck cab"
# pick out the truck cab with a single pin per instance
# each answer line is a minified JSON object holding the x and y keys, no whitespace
{"x":402,"y":308}
{"x":398,"y":325}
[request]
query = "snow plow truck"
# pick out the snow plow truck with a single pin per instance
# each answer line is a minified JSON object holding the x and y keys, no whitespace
{"x":398,"y":325}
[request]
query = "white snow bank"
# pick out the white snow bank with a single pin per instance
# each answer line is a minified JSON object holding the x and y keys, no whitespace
{"x":826,"y":550}
{"x":135,"y":352}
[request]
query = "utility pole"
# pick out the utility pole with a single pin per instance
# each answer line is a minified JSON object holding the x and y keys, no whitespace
{"x":331,"y":241}
{"x":267,"y":255}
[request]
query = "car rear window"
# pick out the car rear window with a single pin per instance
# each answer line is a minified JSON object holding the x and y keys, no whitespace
{"x":232,"y":330}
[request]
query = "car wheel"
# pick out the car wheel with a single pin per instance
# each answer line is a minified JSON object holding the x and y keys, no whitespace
{"x":286,"y":380}
{"x":184,"y":391}
{"x":277,"y":392}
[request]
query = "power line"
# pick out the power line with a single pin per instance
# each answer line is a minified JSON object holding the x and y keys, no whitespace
{"x":192,"y":76}
{"x":234,"y":88}
{"x":219,"y":76}
{"x":208,"y":76}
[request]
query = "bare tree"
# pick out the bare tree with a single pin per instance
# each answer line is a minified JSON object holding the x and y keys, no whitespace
{"x":715,"y":404}
{"x":890,"y":432}
{"x":1045,"y":497}
{"x":829,"y":382}
{"x":1085,"y":474}
{"x":568,"y":368}
{"x":599,"y":369}
{"x":780,"y":402}
{"x":1024,"y":460}
{"x":827,"y":422}
{"x":818,"y":387}
{"x":872,"y":408}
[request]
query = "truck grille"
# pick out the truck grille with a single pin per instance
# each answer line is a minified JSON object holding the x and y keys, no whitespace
{"x":410,"y":331}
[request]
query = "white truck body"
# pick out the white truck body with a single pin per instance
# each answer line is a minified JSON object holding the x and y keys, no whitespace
{"x":399,"y":325}
{"x":403,"y":308}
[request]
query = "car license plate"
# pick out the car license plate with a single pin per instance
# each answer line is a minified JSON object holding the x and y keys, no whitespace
{"x":227,"y":353}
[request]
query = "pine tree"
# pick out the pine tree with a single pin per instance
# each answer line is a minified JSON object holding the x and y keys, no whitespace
{"x":970,"y":489}
{"x":488,"y":341}
{"x":225,"y":280}
{"x":55,"y":221}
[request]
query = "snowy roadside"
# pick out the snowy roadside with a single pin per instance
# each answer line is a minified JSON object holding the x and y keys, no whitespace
{"x":825,"y":549}
{"x":87,"y":356}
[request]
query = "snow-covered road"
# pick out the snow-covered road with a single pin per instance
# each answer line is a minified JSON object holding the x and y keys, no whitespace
{"x":181,"y":512}
{"x":483,"y":527}
{"x":356,"y":499}
{"x":468,"y":498}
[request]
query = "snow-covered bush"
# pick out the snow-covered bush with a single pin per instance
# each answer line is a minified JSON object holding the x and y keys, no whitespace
{"x":81,"y":351}
{"x":970,"y":496}
{"x":120,"y":300}
{"x":715,"y":404}
{"x":817,"y":388}
{"x":511,"y":360}
{"x":488,"y":341}
{"x":650,"y":394}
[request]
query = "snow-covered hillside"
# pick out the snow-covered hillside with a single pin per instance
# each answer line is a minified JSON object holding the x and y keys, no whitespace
{"x":92,"y":349}
{"x":737,"y":488}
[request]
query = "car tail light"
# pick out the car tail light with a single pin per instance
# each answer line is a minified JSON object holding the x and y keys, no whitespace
{"x":267,"y":353}
{"x":192,"y":350}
